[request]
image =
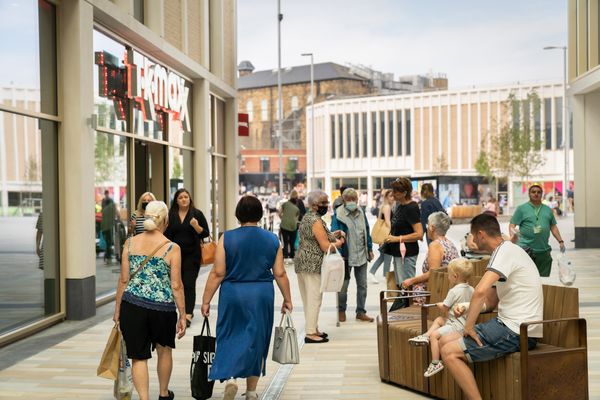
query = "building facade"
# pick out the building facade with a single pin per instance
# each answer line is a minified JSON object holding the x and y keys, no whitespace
{"x":583,"y":66}
{"x":110,"y":99}
{"x":257,"y":94}
{"x":366,"y":142}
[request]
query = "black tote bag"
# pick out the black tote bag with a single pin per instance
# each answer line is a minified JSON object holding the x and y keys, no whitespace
{"x":202,"y":359}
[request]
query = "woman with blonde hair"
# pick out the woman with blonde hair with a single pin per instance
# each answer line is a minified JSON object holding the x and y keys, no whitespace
{"x":149,"y":299}
{"x":136,"y":221}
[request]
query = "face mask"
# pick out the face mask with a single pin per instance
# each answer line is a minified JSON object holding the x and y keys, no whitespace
{"x":322,"y":210}
{"x":351,"y":206}
{"x":144,"y":204}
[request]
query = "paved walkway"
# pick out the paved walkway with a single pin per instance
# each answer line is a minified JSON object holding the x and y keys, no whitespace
{"x":345,"y":368}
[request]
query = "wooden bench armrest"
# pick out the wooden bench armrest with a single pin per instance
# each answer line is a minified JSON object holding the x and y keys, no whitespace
{"x":524,"y":334}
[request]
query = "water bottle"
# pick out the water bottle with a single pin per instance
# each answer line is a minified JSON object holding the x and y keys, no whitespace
{"x":566,"y":273}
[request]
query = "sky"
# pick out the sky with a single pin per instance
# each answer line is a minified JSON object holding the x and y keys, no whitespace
{"x":473,"y":42}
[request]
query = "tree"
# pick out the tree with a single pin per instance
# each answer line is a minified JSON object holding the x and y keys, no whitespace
{"x":513,"y":150}
{"x":440,"y":165}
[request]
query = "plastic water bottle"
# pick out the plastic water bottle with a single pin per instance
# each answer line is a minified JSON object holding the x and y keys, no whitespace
{"x":566,"y":273}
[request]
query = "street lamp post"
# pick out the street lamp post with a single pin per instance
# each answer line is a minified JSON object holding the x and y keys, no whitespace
{"x":312,"y":179}
{"x":279,"y":98}
{"x":565,"y":128}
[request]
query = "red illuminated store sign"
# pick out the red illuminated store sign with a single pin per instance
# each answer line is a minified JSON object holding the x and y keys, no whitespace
{"x":156,"y":91}
{"x":243,"y":129}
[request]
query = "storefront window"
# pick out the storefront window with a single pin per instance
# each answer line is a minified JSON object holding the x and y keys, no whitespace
{"x":29,"y":267}
{"x":28,"y":81}
{"x":105,"y":107}
{"x":180,"y":171}
{"x":111,"y":208}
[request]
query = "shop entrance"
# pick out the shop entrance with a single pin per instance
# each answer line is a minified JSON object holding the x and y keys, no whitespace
{"x":150,"y":170}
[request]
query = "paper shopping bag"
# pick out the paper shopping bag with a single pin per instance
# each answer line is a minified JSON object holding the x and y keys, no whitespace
{"x":109,"y":362}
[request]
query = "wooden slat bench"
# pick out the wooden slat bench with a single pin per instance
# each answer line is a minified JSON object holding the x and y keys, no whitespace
{"x":555,"y":369}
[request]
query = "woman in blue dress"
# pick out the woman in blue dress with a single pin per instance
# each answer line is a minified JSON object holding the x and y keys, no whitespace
{"x":247,"y":260}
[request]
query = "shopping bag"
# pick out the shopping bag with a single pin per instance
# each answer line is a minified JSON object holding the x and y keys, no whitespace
{"x":109,"y":362}
{"x":332,"y":271}
{"x":202,"y":359}
{"x":285,"y":341}
{"x":380,"y":231}
{"x":208,"y":251}
{"x":566,"y":273}
{"x":123,"y":387}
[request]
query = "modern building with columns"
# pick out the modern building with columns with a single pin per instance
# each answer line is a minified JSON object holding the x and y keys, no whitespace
{"x":583,"y":67}
{"x":367,"y":142}
{"x":119,"y":97}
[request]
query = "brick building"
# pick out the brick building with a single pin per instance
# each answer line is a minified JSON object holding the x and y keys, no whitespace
{"x":257,"y":96}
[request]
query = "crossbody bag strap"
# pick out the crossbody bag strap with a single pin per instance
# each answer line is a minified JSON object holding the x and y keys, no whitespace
{"x":147,"y":259}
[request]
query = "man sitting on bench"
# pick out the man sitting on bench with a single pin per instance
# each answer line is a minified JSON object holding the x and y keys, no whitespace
{"x":512,"y":283}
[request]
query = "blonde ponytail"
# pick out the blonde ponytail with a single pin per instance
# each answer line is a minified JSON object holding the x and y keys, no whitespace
{"x":156,"y":214}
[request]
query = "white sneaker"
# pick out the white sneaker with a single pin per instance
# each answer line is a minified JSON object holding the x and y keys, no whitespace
{"x":231,"y":389}
{"x":433,"y":369}
{"x":251,"y":395}
{"x":372,"y":279}
{"x":420,"y":340}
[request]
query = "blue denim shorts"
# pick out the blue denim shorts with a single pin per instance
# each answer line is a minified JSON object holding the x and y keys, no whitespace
{"x":497,"y":339}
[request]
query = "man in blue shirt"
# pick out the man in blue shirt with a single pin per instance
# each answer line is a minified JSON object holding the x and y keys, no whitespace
{"x":430,"y":205}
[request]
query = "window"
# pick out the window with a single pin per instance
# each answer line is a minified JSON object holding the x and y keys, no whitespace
{"x":29,"y":236}
{"x":249,"y":110}
{"x":381,"y":134}
{"x":332,"y":136}
{"x":356,"y":138}
{"x":407,"y":132}
{"x":112,"y":208}
{"x":537,"y":123}
{"x":138,"y":10}
{"x":292,"y":164}
{"x":399,"y":132}
{"x":364,"y":135}
{"x":264,"y":164}
{"x":295,"y":103}
{"x":390,"y":144}
{"x":516,"y":115}
{"x":558,"y":105}
{"x":348,"y":137}
{"x":548,"y":123}
{"x":340,"y":135}
{"x":374,"y":134}
{"x":526,"y":116}
{"x":264,"y":110}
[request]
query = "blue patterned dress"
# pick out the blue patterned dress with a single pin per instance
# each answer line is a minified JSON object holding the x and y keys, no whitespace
{"x":246,"y":304}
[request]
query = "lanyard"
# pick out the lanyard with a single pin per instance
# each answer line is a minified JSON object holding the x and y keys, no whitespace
{"x":537,"y":211}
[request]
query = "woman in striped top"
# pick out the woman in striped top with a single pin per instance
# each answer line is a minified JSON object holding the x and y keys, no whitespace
{"x":136,"y":222}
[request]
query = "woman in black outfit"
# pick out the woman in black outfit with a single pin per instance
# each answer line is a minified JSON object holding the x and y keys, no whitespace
{"x":187,"y":227}
{"x":406,"y":228}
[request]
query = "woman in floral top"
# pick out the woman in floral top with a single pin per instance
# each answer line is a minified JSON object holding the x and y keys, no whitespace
{"x":149,"y":295}
{"x":315,"y":239}
{"x":439,"y":253}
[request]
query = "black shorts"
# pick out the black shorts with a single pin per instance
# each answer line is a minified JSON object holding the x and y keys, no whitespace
{"x":143,"y":329}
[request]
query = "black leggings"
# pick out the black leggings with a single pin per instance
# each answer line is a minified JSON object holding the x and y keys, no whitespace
{"x":190,"y":267}
{"x":289,"y":240}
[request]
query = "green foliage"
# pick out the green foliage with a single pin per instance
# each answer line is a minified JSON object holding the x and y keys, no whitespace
{"x":515,"y":149}
{"x":290,"y":170}
{"x":177,"y":170}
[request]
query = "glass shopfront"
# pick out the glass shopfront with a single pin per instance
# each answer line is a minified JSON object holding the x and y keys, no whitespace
{"x":143,"y":143}
{"x":29,"y":263}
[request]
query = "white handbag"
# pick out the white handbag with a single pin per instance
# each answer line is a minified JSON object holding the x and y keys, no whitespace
{"x":285,"y":342}
{"x":332,"y":271}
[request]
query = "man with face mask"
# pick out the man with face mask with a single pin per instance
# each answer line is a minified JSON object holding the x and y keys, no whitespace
{"x":357,"y":251}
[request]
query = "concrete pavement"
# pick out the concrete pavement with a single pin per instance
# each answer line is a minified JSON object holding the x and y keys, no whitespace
{"x":62,"y":367}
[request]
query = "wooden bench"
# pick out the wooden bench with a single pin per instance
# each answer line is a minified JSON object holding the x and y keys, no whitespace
{"x":555,"y":369}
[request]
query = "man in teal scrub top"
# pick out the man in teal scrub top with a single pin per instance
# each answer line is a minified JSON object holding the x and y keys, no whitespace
{"x":536,"y":221}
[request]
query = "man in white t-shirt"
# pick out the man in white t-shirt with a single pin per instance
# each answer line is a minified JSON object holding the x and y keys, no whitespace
{"x":512,"y":283}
